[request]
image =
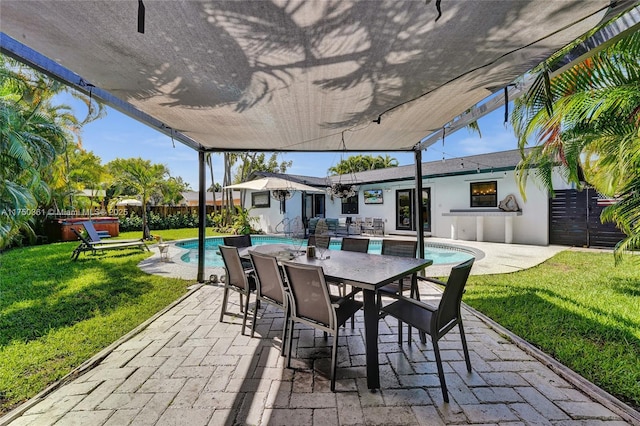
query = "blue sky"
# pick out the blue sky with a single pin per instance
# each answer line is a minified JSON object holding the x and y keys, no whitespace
{"x":118,"y":136}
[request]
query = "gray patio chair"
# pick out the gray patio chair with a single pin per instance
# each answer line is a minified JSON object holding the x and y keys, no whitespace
{"x":321,"y":242}
{"x":437,"y":321}
{"x":367,"y":226}
{"x":378,"y":226}
{"x":312,"y":225}
{"x":238,"y":279}
{"x":239,"y":241}
{"x":313,"y":305}
{"x":270,"y":289}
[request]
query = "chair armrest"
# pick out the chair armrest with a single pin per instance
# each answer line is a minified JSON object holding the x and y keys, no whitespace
{"x":419,"y":303}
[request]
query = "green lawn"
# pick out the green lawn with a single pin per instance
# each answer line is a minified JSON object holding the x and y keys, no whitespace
{"x":577,"y":307}
{"x":169,"y":234}
{"x":55,"y":313}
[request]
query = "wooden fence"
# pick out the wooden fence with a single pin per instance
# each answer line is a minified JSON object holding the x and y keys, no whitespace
{"x":574,"y":220}
{"x":165,"y":211}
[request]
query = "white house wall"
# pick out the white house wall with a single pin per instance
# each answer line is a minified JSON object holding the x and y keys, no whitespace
{"x":453,"y":193}
{"x":269,"y":219}
{"x":447,"y":193}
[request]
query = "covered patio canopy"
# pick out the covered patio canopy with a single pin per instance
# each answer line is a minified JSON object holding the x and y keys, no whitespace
{"x":294,"y":75}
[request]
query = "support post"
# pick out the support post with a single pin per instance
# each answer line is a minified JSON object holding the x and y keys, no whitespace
{"x":418,"y":204}
{"x":454,"y":227}
{"x":479,"y":228}
{"x":202,"y":213}
{"x":508,"y":229}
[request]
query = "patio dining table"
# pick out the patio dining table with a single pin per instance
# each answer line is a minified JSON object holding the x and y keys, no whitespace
{"x":361,"y":270}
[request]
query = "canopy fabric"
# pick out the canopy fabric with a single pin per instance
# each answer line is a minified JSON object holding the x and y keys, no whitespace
{"x":273,"y":184}
{"x":359,"y":75}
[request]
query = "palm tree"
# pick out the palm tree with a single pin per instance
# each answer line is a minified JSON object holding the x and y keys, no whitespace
{"x":361,"y":163}
{"x":143,"y":177}
{"x":32,"y":134}
{"x":588,"y":118}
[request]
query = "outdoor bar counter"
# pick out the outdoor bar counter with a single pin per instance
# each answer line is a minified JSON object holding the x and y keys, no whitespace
{"x":480,"y":214}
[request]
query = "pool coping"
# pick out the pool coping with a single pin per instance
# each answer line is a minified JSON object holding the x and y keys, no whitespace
{"x":498,"y":258}
{"x":476,"y":253}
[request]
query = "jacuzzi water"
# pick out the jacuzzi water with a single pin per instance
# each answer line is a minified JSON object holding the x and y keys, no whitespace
{"x":440,"y":254}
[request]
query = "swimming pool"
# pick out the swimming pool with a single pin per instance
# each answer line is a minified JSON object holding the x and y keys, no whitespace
{"x":441,"y":254}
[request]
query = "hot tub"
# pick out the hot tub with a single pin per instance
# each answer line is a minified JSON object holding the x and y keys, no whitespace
{"x":60,"y":229}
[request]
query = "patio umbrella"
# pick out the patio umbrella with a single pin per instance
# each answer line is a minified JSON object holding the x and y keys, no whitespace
{"x":273,"y":184}
{"x":281,"y":189}
{"x":129,"y":202}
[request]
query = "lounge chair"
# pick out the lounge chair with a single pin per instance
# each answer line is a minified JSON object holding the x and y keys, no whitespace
{"x":96,"y":237}
{"x":94,"y":247}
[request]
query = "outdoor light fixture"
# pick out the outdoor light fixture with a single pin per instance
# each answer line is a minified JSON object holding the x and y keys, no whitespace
{"x":342,"y":190}
{"x":281,"y":194}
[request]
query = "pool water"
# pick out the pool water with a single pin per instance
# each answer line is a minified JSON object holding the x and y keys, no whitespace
{"x":440,"y":254}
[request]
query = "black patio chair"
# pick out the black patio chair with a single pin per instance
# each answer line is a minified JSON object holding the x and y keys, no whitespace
{"x":401,"y":248}
{"x":360,"y":245}
{"x":270,"y":289}
{"x":238,"y":279}
{"x":313,"y":305}
{"x":437,"y":321}
{"x":239,"y":241}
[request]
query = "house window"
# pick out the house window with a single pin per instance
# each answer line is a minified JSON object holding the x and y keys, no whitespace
{"x":260,"y":199}
{"x":484,"y":194}
{"x":350,"y":205}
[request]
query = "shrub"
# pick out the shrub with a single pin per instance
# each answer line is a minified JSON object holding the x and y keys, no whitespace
{"x":156,"y":222}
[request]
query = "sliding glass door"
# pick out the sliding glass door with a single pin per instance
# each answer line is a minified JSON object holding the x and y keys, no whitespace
{"x":404,"y":209}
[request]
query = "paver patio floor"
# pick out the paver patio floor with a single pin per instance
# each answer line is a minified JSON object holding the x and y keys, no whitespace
{"x":187,"y":368}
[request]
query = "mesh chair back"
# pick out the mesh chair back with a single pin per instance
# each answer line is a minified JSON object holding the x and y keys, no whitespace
{"x":360,"y":245}
{"x":237,"y":241}
{"x":400,"y":248}
{"x":233,"y":265}
{"x":309,"y":293}
{"x":91,"y":231}
{"x":449,"y":307}
{"x":318,"y":242}
{"x":269,"y":282}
